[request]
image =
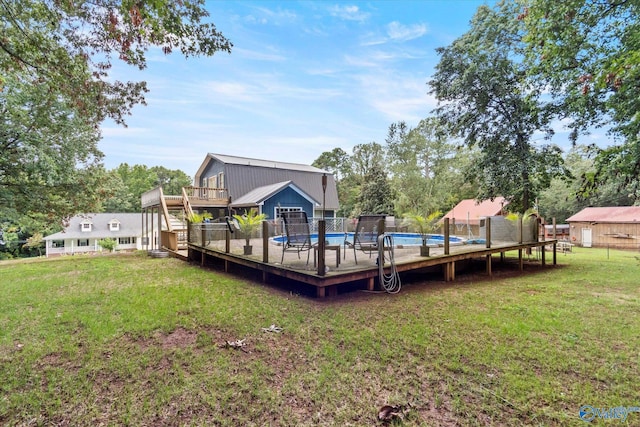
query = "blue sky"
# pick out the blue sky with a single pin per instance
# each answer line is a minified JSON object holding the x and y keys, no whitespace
{"x":303,"y":78}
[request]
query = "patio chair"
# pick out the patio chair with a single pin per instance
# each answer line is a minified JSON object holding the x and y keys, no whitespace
{"x":296,"y":227}
{"x":365,"y":238}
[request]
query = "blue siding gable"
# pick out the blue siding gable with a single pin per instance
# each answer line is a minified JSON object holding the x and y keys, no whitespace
{"x":287,"y":198}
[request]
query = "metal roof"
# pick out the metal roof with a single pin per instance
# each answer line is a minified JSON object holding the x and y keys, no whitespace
{"x":619,"y":214}
{"x":243,"y":175}
{"x":246,"y":161}
{"x":130,"y":225}
{"x":475,"y":210}
{"x":260,"y":194}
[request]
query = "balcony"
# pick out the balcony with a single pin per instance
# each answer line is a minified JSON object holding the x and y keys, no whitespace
{"x":198,"y":197}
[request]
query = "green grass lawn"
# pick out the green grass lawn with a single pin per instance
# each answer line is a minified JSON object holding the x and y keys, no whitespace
{"x":133,"y":340}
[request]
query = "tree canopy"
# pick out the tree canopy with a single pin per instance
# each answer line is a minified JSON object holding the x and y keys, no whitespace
{"x":56,"y":89}
{"x":486,"y":98}
{"x":587,"y":53}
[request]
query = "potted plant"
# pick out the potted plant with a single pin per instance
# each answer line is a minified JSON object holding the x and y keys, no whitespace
{"x":197,"y":218}
{"x":248,"y":224}
{"x":424,"y":225}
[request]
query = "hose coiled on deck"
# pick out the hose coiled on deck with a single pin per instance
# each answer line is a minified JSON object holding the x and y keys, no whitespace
{"x":389,"y":282}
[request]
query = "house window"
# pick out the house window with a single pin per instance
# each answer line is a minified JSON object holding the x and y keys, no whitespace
{"x":205,"y":182}
{"x":280,"y":210}
{"x":221,"y":180}
{"x":145,"y":241}
{"x":85,"y":226}
{"x":126,"y":240}
{"x":57,"y":243}
{"x":83,"y":242}
{"x":114,"y":225}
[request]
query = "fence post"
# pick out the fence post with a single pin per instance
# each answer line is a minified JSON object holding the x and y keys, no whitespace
{"x":446,"y":236}
{"x":321,"y":244}
{"x":265,"y":242}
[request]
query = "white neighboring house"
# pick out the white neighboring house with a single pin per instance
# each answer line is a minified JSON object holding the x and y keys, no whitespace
{"x":83,"y":233}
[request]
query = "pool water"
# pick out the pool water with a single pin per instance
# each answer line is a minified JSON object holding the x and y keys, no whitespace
{"x":399,"y":239}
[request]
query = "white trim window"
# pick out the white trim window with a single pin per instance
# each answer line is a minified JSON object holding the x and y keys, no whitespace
{"x":85,"y":226}
{"x":278,"y":211}
{"x":83,"y":242}
{"x":114,"y":225}
{"x":126,"y":240}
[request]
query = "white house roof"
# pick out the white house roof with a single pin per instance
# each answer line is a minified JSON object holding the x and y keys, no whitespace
{"x":130,"y":225}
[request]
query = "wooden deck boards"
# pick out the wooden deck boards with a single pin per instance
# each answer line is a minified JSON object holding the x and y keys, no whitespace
{"x":364,"y":273}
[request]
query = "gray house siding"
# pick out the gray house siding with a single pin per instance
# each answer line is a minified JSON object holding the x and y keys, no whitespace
{"x":213,"y":169}
{"x":243,"y":175}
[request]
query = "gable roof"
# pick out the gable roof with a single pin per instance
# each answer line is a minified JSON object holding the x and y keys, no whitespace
{"x":473,"y":210}
{"x":620,"y":214}
{"x":243,"y":175}
{"x":130,"y":225}
{"x":259,"y":195}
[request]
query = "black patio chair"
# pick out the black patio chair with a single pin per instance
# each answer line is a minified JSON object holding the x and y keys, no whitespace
{"x":365,"y":238}
{"x":297,"y":231}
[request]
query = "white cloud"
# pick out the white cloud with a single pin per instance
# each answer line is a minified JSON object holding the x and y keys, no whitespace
{"x":263,"y":16}
{"x":399,"y":32}
{"x":348,"y":13}
{"x":258,"y":55}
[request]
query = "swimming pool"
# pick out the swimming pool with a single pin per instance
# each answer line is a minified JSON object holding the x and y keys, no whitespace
{"x":399,"y":239}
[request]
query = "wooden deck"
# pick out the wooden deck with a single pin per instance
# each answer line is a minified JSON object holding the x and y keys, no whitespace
{"x":265,"y":264}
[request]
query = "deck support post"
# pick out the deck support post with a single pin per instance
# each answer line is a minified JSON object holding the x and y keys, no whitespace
{"x":320,"y":292}
{"x":160,"y":228}
{"x":227,"y":241}
{"x":371,"y":285}
{"x":520,"y":260}
{"x":489,"y":265}
{"x":542,"y":255}
{"x":450,"y":271}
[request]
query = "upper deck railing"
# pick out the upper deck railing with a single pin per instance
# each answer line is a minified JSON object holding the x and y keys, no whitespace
{"x":198,"y":196}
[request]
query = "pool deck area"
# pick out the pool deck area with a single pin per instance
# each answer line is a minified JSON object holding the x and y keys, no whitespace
{"x":342,"y":273}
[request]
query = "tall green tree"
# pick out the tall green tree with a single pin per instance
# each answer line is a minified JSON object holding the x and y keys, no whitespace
{"x":129,"y":182}
{"x":376,"y":194}
{"x":486,"y":99}
{"x":588,"y":54}
{"x":56,"y":88}
{"x":336,"y":161}
{"x":71,"y":46}
{"x":423,"y":166}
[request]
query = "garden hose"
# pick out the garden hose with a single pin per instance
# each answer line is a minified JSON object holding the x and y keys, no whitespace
{"x":389,"y":282}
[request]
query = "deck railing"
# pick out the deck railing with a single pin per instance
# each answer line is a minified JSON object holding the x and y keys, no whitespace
{"x":151,"y":197}
{"x":207,"y":195}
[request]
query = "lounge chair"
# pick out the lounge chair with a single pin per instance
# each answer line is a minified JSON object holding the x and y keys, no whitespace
{"x":365,"y":238}
{"x":296,"y":227}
